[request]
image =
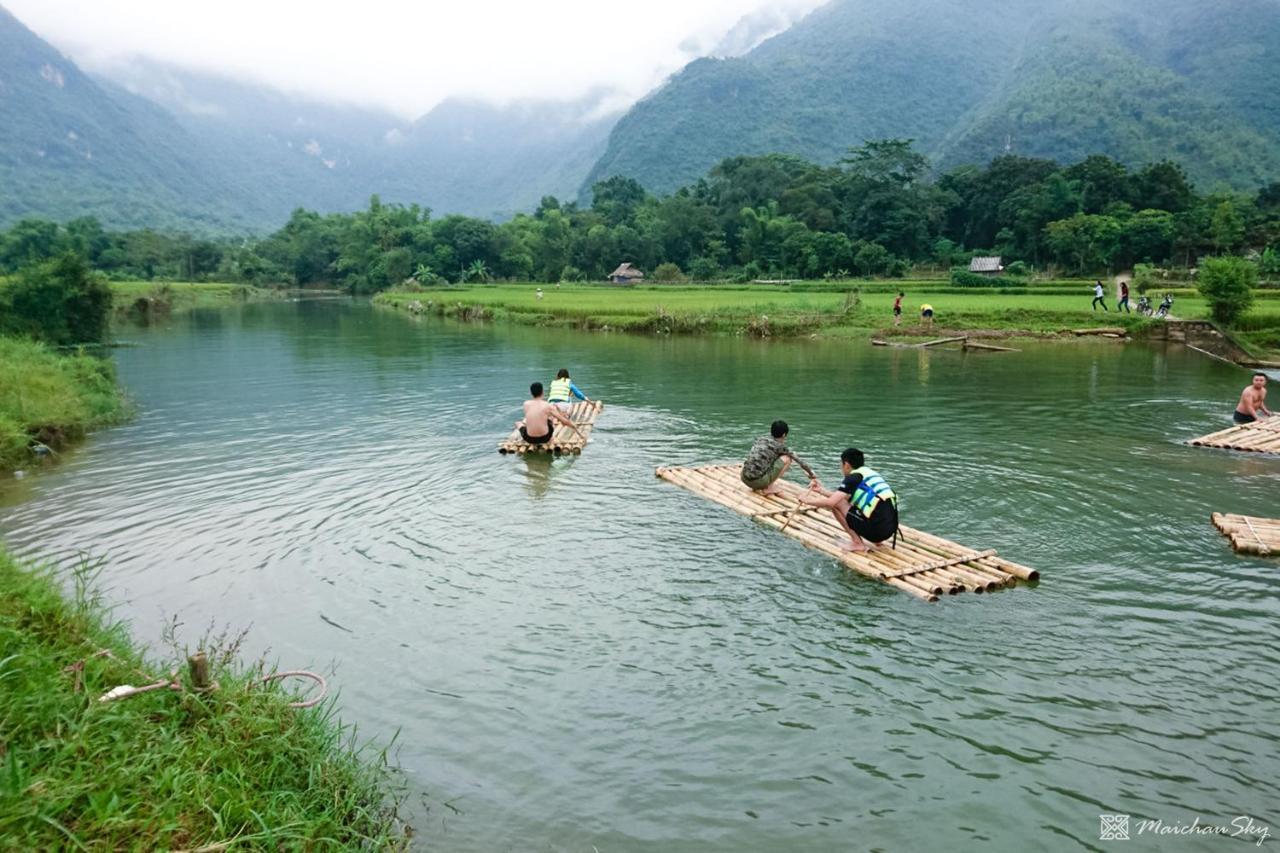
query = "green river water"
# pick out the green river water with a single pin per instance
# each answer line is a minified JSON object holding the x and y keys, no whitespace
{"x":578,"y":656}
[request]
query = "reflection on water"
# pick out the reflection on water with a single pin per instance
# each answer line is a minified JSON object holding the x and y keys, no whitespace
{"x":612,"y":662}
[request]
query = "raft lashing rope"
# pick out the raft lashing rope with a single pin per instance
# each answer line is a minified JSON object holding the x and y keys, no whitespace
{"x":1250,"y":534}
{"x":922,"y":565}
{"x":563,"y":440}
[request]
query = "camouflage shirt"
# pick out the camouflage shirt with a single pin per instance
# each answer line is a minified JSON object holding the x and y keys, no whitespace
{"x":764,"y":453}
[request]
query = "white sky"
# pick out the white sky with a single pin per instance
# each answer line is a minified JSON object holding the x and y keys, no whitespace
{"x":403,"y":56}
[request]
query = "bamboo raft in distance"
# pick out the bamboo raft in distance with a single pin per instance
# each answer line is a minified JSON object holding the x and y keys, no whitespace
{"x":563,"y":440}
{"x":1250,"y":534}
{"x":923,"y":565}
{"x":1261,"y":436}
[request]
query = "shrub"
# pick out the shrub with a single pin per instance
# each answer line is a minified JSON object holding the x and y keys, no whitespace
{"x":1269,"y":264}
{"x":571,"y":273}
{"x":1018,"y":269}
{"x":1227,"y":285}
{"x":668,"y":272}
{"x":704,"y":269}
{"x":61,"y":301}
{"x":1144,"y":276}
{"x":961,"y":277}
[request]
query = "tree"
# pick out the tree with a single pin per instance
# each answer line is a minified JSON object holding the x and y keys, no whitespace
{"x":1149,"y":235}
{"x":1227,"y":285}
{"x":1087,"y":239}
{"x":668,"y":272}
{"x":617,"y":199}
{"x":1226,"y":226}
{"x":61,"y":301}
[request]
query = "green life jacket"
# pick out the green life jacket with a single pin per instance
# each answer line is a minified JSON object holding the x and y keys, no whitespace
{"x":873,"y":489}
{"x":559,"y":391}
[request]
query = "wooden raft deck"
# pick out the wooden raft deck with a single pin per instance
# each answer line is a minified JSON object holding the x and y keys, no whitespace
{"x":923,"y":565}
{"x":1250,"y":534}
{"x":1262,"y":436}
{"x":563,"y":440}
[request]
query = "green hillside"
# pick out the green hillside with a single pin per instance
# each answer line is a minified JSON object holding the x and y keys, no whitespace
{"x":1062,"y":79}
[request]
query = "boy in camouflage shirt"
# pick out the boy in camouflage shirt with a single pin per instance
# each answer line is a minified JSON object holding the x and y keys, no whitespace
{"x":769,"y":459}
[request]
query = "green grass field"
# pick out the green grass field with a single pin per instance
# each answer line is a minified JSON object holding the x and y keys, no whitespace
{"x":232,"y":769}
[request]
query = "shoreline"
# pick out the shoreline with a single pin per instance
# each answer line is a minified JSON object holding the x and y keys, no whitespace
{"x":174,"y":767}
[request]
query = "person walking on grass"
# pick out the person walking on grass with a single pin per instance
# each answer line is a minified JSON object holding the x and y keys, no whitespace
{"x":1124,"y":298}
{"x":897,"y":309}
{"x":1098,"y":297}
{"x":863,"y":503}
{"x":769,"y":459}
{"x":1253,"y":401}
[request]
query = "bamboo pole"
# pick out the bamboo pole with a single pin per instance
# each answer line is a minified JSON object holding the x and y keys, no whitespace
{"x":941,"y":341}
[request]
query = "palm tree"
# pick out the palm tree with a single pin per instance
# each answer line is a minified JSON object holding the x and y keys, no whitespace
{"x":424,"y":274}
{"x":478,"y":271}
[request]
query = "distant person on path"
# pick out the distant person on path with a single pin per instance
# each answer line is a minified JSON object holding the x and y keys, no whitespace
{"x":897,"y":309}
{"x":540,"y":418}
{"x":1124,"y":298}
{"x":769,"y":459}
{"x":1098,"y":297}
{"x":926,"y":315}
{"x":1253,"y":400}
{"x":563,"y":391}
{"x":863,"y":503}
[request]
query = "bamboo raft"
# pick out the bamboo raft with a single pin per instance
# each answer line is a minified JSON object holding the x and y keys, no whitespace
{"x":563,"y":440}
{"x":923,"y":565}
{"x":1250,"y":534}
{"x":1261,"y":436}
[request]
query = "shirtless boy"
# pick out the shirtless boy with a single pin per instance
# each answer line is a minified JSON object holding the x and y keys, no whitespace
{"x":539,"y":418}
{"x":1252,"y":401}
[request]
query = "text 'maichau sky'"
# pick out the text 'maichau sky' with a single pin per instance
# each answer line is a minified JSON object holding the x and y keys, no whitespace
{"x":404,"y":56}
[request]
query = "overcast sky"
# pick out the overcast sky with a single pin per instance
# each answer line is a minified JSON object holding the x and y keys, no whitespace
{"x":399,"y":54}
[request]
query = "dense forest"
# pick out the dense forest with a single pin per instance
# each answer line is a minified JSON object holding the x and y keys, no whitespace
{"x":880,"y":211}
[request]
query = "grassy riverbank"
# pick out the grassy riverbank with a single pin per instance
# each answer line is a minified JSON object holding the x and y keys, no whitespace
{"x":803,"y":308}
{"x":166,"y":769}
{"x":163,"y":297}
{"x":51,"y":398}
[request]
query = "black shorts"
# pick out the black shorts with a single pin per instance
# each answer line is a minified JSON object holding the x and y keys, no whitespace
{"x":1241,"y":418}
{"x":539,"y":439}
{"x":880,"y":526}
{"x":897,"y":309}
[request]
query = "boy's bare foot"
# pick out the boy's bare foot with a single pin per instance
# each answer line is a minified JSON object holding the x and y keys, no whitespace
{"x":854,"y":547}
{"x":772,"y":489}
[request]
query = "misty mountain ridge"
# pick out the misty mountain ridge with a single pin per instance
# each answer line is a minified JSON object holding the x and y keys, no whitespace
{"x":141,"y":143}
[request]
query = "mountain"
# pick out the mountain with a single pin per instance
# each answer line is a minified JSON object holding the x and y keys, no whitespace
{"x":70,"y":146}
{"x":145,"y":144}
{"x":1140,"y":81}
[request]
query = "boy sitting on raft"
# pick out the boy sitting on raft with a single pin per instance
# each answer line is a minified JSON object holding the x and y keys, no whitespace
{"x":864,"y":504}
{"x":539,"y":418}
{"x":769,"y":459}
{"x":563,"y":391}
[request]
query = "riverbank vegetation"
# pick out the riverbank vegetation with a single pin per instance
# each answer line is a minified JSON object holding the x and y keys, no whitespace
{"x":879,"y":212}
{"x":802,"y":308}
{"x":167,"y":769}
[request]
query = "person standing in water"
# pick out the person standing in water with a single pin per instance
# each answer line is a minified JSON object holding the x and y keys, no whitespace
{"x":1098,"y":297}
{"x":1253,"y":401}
{"x":540,"y":418}
{"x":769,"y":459}
{"x":863,"y":503}
{"x":563,"y":392}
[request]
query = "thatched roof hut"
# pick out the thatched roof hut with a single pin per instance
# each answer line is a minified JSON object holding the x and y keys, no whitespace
{"x":986,"y":266}
{"x":626,"y":274}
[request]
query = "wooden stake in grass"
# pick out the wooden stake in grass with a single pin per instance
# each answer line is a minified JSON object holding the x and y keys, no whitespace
{"x":198,"y":665}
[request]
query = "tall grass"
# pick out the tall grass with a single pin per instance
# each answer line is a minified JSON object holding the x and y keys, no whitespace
{"x":167,"y":769}
{"x":51,"y":397}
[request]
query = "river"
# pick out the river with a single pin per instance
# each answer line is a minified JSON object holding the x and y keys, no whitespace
{"x":576,"y":655}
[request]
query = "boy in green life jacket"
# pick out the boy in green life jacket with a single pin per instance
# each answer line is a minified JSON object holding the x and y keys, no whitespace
{"x":863,"y":503}
{"x":563,"y":391}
